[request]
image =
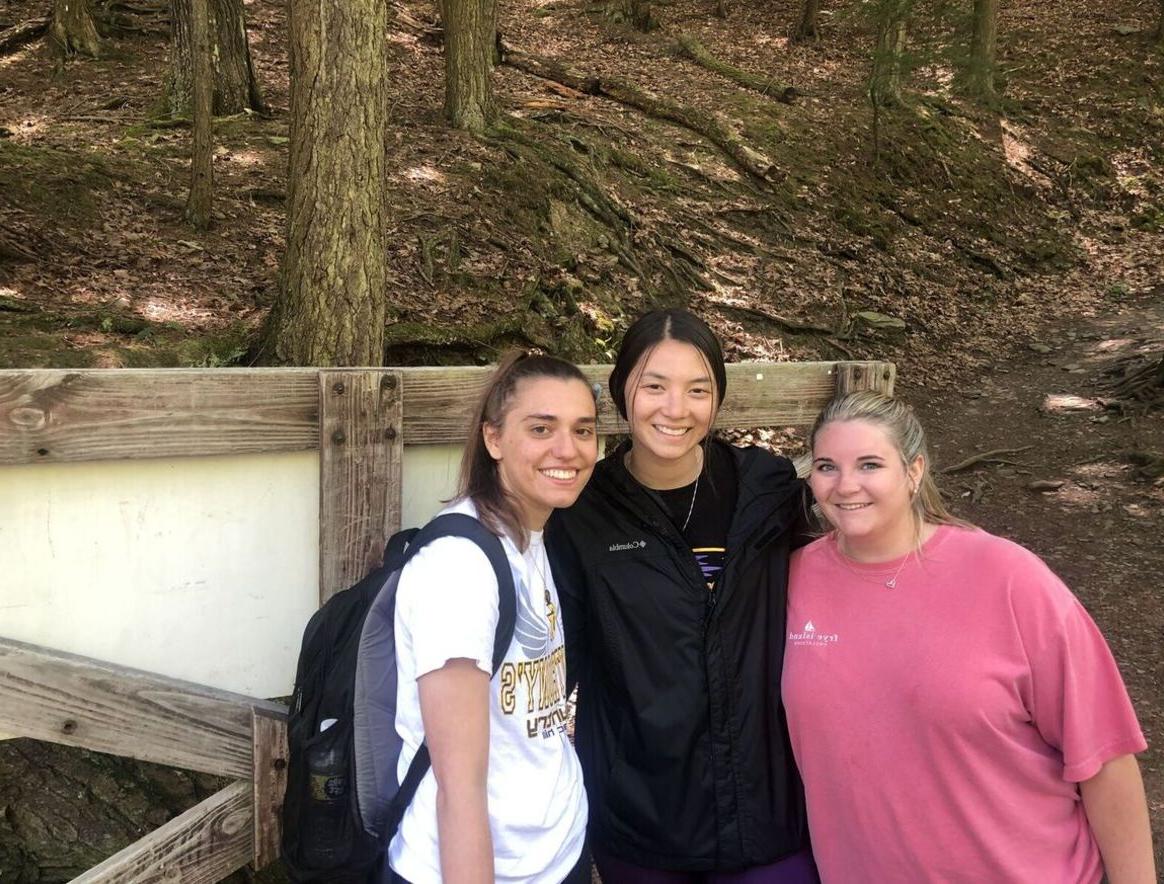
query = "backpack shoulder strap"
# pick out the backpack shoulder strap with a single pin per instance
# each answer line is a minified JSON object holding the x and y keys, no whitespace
{"x":460,"y":525}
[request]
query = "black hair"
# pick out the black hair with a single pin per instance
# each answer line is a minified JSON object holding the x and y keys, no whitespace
{"x":650,"y":330}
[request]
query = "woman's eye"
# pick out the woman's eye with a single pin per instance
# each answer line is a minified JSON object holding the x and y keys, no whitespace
{"x":539,"y":430}
{"x":700,"y":391}
{"x":824,"y":467}
{"x":869,"y":465}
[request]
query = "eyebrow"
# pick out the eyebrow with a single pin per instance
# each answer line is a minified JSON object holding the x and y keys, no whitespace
{"x":654,"y":374}
{"x":553,"y":418}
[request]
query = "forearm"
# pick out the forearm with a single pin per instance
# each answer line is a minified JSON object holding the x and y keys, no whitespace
{"x":466,"y":846}
{"x":1117,"y":811}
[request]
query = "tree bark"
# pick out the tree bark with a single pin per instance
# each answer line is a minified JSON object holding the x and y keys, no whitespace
{"x":806,"y":29}
{"x":64,"y":810}
{"x":330,"y":309}
{"x":235,"y":86}
{"x":889,"y":54}
{"x":979,"y":79}
{"x":72,"y":29}
{"x":470,"y":39}
{"x":201,"y":168}
{"x":1160,"y":27}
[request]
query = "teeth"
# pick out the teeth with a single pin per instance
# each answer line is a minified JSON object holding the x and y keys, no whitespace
{"x":560,"y":474}
{"x":851,"y":506}
{"x":671,"y":431}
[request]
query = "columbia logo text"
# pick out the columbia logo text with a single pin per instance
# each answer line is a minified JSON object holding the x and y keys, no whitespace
{"x":621,"y":547}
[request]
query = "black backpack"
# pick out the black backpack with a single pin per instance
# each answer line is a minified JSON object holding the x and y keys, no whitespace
{"x":342,"y":804}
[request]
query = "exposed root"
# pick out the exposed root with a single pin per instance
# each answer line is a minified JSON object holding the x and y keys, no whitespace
{"x":714,"y":130}
{"x":694,"y":50}
{"x":16,"y":36}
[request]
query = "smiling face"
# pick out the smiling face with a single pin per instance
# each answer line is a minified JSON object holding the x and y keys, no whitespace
{"x":865,"y":490}
{"x":546,"y":446}
{"x":671,"y":403}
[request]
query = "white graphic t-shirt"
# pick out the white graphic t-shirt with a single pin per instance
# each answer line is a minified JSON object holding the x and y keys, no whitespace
{"x":446,"y":609}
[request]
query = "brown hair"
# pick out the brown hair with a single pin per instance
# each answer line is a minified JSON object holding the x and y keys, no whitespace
{"x":480,"y":480}
{"x":905,"y":432}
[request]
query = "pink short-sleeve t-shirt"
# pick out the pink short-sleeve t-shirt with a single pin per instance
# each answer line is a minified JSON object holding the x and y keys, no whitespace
{"x":942,"y":725}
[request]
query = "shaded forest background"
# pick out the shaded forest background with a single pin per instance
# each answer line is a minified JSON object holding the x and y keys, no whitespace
{"x":826,"y":180}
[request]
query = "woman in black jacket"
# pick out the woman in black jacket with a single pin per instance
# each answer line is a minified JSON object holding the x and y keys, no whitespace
{"x":672,"y":568}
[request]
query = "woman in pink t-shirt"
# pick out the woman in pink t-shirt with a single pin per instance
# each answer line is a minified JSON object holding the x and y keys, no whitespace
{"x":956,"y":715}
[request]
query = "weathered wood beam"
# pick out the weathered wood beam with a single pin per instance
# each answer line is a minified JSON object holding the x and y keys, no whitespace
{"x":54,"y":415}
{"x":77,"y":701}
{"x":361,"y":455}
{"x":201,"y":846}
{"x":269,"y":784}
{"x":93,"y":414}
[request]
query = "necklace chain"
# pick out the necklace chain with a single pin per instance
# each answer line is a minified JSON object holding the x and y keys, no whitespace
{"x":691,"y":508}
{"x":891,"y":583}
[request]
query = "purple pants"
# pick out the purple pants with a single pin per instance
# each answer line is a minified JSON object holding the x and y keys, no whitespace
{"x":796,"y":869}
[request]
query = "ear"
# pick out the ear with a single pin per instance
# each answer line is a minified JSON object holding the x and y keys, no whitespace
{"x":492,"y":438}
{"x":914,"y":473}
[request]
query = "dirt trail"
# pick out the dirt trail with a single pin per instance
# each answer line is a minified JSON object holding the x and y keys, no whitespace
{"x":1102,"y":529}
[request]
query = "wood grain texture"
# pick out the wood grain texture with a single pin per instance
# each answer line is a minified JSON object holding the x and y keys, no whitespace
{"x":269,"y":784}
{"x":360,"y":462}
{"x":437,"y":401}
{"x":854,"y":376}
{"x":201,"y":846}
{"x":53,"y":416}
{"x":63,"y":698}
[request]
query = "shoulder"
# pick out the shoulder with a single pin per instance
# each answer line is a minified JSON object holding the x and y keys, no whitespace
{"x":1005,"y":569}
{"x":757,"y":465}
{"x":814,"y":554}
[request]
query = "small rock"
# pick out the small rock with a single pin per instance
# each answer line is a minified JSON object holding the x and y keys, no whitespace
{"x":1135,"y":510}
{"x":1126,"y":30}
{"x":1046,"y":485}
{"x":276,"y":140}
{"x":1039,"y":348}
{"x":1072,"y":367}
{"x":880,"y":321}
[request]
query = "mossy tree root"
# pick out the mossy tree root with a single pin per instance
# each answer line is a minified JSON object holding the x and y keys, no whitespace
{"x":690,"y":47}
{"x":16,"y":36}
{"x":746,"y":158}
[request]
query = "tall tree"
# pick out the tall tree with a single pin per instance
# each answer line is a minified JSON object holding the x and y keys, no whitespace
{"x":235,"y":86}
{"x":806,"y":29}
{"x":889,"y":53}
{"x":470,"y":43}
{"x":979,"y":76}
{"x":330,"y":308}
{"x":201,"y":160}
{"x":72,"y":30}
{"x":1160,"y":27}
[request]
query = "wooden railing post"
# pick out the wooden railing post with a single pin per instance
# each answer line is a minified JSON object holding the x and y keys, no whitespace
{"x":854,"y":376}
{"x":361,"y":449}
{"x":269,"y":784}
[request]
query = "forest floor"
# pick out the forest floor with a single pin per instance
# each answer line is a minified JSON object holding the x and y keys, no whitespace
{"x":1021,"y":247}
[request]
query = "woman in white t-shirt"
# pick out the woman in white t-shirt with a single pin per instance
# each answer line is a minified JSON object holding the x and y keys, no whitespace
{"x":504,"y":800}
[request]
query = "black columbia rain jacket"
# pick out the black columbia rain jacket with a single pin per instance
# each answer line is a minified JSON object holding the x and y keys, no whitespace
{"x":680,"y":727}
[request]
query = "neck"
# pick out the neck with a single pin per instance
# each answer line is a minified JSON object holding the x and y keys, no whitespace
{"x":663,"y":475}
{"x":886,"y":548}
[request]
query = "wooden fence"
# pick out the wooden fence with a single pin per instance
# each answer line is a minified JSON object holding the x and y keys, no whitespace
{"x":359,"y":420}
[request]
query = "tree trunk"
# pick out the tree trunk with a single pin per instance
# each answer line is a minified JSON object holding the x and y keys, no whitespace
{"x":470,"y":38}
{"x":330,"y":308}
{"x":889,"y":56}
{"x":806,"y":30}
{"x":72,"y":30}
{"x":64,"y":810}
{"x":201,"y":168}
{"x":979,"y":80}
{"x":235,"y":87}
{"x":1160,"y":27}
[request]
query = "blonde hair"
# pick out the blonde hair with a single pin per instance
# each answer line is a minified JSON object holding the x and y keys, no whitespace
{"x":905,"y":431}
